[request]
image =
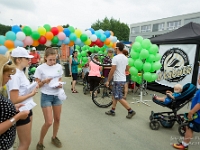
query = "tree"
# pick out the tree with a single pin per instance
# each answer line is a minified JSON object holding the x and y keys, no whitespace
{"x":4,"y":29}
{"x":121,"y":30}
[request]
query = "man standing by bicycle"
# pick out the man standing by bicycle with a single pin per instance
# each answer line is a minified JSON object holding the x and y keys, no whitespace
{"x":117,"y":72}
{"x":36,"y":59}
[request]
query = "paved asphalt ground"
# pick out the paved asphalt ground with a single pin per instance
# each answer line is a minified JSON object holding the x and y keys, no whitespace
{"x":84,"y":126}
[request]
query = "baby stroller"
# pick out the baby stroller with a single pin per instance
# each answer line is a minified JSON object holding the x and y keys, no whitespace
{"x":168,"y":119}
{"x":86,"y":85}
{"x":31,"y":71}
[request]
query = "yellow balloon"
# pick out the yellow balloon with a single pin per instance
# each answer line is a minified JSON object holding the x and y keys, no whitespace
{"x":78,"y":33}
{"x":88,"y":42}
{"x":42,"y":30}
{"x":111,"y":44}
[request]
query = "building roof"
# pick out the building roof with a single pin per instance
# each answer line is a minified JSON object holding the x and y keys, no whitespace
{"x":187,"y":34}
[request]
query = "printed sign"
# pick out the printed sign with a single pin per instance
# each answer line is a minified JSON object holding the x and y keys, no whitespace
{"x":177,"y":64}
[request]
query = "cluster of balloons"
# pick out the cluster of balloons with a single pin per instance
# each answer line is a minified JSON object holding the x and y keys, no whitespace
{"x":144,"y":61}
{"x":47,"y":35}
{"x":82,"y":52}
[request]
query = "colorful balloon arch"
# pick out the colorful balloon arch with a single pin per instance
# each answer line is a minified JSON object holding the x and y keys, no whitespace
{"x":47,"y":35}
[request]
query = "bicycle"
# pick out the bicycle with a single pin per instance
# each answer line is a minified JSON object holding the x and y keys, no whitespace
{"x":102,"y":95}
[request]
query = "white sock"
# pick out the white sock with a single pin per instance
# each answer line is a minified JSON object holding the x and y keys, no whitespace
{"x":185,"y":144}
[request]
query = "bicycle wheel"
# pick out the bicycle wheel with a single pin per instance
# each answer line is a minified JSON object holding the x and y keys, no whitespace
{"x":102,"y":96}
{"x":99,"y":62}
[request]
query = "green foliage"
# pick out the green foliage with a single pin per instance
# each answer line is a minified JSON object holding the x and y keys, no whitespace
{"x":4,"y":29}
{"x":121,"y":30}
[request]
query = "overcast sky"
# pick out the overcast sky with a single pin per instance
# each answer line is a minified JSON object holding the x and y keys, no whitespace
{"x":82,"y":13}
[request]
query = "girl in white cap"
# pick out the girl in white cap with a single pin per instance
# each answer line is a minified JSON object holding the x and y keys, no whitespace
{"x":17,"y":88}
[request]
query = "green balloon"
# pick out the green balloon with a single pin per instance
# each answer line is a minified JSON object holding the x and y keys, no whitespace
{"x":154,"y":76}
{"x":157,"y":57}
{"x":27,"y":30}
{"x":85,"y":59}
{"x":35,"y":35}
{"x":133,"y":71}
{"x":146,"y":44}
{"x":139,"y":80}
{"x":77,"y":47}
{"x":55,"y":40}
{"x":47,"y":27}
{"x":33,"y":70}
{"x":83,"y":37}
{"x":147,"y":76}
{"x":134,"y":55}
{"x":91,"y":49}
{"x":157,"y":65}
{"x":138,"y":64}
{"x":137,"y":47}
{"x":100,"y":52}
{"x":134,"y":78}
{"x":83,"y":53}
{"x":71,"y":29}
{"x":147,"y":67}
{"x":151,"y":58}
{"x":153,"y":49}
{"x":139,"y":39}
{"x":79,"y":69}
{"x":130,"y":62}
{"x":144,"y":54}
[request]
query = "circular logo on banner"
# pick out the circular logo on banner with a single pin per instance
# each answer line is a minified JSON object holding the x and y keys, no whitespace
{"x":175,"y":65}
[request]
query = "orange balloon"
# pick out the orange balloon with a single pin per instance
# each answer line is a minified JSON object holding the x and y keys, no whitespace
{"x":107,"y":41}
{"x":49,"y":35}
{"x":71,"y":43}
{"x":60,"y":28}
{"x":35,"y":43}
{"x":114,"y":45}
{"x":111,"y":33}
{"x":9,"y":44}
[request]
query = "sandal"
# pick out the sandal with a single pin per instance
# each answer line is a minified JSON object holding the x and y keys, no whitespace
{"x":74,"y":91}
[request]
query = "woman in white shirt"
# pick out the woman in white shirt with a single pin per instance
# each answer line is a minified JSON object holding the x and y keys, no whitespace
{"x":48,"y":74}
{"x":17,"y":88}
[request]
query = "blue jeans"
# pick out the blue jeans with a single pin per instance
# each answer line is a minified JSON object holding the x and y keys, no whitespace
{"x":50,"y":100}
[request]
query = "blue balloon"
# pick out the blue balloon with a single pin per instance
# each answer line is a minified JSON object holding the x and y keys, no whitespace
{"x":92,"y":30}
{"x":103,"y":37}
{"x":81,"y":44}
{"x":2,"y":39}
{"x":18,"y":43}
{"x":107,"y":33}
{"x":16,"y":28}
{"x":98,"y":34}
{"x":66,"y":40}
{"x":10,"y":35}
{"x":59,"y":43}
{"x":66,"y":31}
{"x":78,"y":41}
{"x":3,"y":50}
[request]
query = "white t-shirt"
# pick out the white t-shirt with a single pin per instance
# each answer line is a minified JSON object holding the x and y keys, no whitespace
{"x":19,"y":82}
{"x":121,"y":61}
{"x":45,"y":71}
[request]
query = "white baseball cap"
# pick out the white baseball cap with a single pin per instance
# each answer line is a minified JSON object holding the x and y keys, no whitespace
{"x":21,"y":52}
{"x":33,"y":48}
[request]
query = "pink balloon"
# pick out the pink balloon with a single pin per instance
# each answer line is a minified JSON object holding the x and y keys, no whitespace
{"x":28,"y":40}
{"x":61,"y":36}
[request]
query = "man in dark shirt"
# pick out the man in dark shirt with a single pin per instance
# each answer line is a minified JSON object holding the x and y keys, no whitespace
{"x":107,"y":60}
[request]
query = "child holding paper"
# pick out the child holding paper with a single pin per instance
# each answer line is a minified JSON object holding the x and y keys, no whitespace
{"x":47,"y":75}
{"x":16,"y":88}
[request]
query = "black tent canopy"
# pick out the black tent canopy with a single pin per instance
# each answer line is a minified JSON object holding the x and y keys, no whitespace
{"x":187,"y":34}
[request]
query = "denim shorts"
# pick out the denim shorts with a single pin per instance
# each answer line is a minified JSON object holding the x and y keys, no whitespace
{"x":50,"y":100}
{"x":117,"y":89}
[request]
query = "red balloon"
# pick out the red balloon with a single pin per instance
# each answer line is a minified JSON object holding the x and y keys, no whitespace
{"x":92,"y":44}
{"x":42,"y":40}
{"x":54,"y":30}
{"x":101,"y":44}
{"x":97,"y":42}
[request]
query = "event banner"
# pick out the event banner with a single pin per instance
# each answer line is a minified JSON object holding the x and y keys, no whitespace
{"x":177,"y":64}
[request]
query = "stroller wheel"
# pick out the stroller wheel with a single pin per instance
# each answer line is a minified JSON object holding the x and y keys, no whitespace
{"x":154,"y":125}
{"x":182,"y":129}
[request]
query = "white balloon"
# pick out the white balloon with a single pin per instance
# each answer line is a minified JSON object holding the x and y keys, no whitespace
{"x":114,"y":39}
{"x":88,"y":33}
{"x":20,"y":36}
{"x":48,"y":43}
{"x":93,"y":37}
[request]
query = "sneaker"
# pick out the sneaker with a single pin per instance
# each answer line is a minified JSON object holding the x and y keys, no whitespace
{"x":130,"y":114}
{"x":110,"y":112}
{"x":180,"y":146}
{"x":40,"y":147}
{"x":56,"y":142}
